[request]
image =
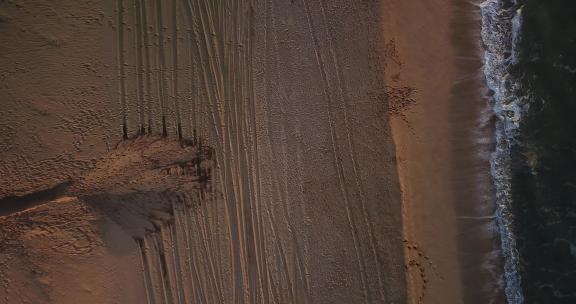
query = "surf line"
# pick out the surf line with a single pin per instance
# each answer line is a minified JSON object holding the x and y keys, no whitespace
{"x":501,"y":23}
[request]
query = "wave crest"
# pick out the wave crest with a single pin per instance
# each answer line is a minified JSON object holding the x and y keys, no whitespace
{"x":501,"y":22}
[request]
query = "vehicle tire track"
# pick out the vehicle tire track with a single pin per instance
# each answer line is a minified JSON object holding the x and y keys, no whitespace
{"x":121,"y":68}
{"x":352,"y":151}
{"x":337,"y":154}
{"x":175,"y":68}
{"x":161,"y":74}
{"x":147,"y":65}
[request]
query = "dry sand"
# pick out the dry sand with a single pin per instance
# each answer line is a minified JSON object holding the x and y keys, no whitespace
{"x":301,"y":202}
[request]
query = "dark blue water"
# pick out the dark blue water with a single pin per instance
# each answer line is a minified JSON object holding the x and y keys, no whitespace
{"x":531,"y":67}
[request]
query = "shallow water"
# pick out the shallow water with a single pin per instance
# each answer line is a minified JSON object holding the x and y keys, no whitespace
{"x":531,"y":67}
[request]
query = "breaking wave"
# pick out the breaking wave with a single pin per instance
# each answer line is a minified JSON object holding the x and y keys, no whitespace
{"x":501,"y":20}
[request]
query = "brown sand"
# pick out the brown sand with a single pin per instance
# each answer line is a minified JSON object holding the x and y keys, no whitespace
{"x":302,"y":204}
{"x":83,"y":246}
{"x":433,"y":49}
{"x":421,"y":31}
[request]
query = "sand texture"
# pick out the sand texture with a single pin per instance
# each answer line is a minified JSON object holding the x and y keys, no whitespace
{"x":441,"y":125}
{"x":198,"y":151}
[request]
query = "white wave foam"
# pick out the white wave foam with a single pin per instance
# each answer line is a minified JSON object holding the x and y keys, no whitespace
{"x":501,"y":23}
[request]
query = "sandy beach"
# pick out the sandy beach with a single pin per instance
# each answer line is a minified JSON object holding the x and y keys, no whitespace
{"x":442,"y":142}
{"x":284,"y":188}
{"x":225,"y":151}
{"x":422,"y":140}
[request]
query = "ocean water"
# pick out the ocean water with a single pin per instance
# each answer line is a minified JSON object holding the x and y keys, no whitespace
{"x":530,"y":66}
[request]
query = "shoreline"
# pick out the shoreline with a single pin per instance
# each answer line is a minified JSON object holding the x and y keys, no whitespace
{"x":442,"y":152}
{"x":501,"y":24}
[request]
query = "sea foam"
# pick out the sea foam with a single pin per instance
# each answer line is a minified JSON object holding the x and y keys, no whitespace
{"x":501,"y":21}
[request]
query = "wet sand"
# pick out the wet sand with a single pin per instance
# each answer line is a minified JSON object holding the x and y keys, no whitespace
{"x":443,"y":143}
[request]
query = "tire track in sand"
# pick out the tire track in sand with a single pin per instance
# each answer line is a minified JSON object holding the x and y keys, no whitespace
{"x":337,"y":154}
{"x":282,"y":192}
{"x":352,"y":151}
{"x":161,"y":73}
{"x":121,"y":66}
{"x":175,"y":68}
{"x":147,"y":65}
{"x":139,"y":45}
